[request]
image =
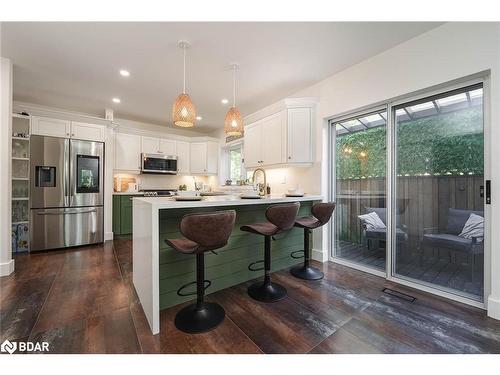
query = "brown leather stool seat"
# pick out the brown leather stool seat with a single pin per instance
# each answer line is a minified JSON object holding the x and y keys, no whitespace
{"x":321,"y":214}
{"x":281,"y":218}
{"x":202,"y":232}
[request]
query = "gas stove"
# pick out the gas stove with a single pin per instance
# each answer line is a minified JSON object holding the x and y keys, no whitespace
{"x":158,"y":192}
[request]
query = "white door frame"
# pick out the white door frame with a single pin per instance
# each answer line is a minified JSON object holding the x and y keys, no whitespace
{"x":389,"y":274}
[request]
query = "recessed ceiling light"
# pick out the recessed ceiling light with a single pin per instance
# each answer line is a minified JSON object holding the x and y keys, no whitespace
{"x":124,"y":73}
{"x":199,"y":118}
{"x":116,"y":100}
{"x":224,"y":101}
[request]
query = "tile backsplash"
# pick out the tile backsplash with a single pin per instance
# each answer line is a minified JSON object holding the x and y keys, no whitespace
{"x":151,"y":181}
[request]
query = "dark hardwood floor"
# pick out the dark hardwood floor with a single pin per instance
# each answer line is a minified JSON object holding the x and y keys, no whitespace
{"x":82,"y":301}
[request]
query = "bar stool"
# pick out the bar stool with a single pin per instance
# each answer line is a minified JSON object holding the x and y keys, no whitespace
{"x":202,"y":232}
{"x":321,"y":214}
{"x":280,"y":218}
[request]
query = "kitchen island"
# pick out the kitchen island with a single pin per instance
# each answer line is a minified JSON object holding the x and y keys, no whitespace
{"x":159,"y":271}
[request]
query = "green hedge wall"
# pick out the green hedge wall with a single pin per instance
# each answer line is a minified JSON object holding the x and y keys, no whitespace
{"x":446,"y":144}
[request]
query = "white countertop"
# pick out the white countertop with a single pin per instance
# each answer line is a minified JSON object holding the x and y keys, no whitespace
{"x":223,"y":200}
{"x":127,"y":193}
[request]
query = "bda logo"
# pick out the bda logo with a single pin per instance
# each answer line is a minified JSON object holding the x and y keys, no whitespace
{"x":8,"y":346}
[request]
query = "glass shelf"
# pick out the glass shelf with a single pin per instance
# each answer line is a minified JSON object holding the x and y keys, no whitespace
{"x":20,"y":168}
{"x":19,"y":210}
{"x":20,"y":148}
{"x":20,"y":189}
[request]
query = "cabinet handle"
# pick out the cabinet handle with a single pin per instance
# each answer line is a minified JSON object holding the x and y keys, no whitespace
{"x":67,"y":134}
{"x":289,"y":157}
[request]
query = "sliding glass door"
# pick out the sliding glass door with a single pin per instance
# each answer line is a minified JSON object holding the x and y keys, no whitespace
{"x":410,"y":189}
{"x":439,"y":166}
{"x":360,"y":185}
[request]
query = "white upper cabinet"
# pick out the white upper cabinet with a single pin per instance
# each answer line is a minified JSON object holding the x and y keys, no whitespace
{"x":150,"y":145}
{"x":51,"y":127}
{"x":212,"y":157}
{"x":89,"y":132}
{"x":198,"y":157}
{"x":204,"y":157}
{"x":272,"y":140}
{"x":153,"y":145}
{"x":168,"y":147}
{"x":127,"y":152}
{"x":299,"y":143}
{"x":67,"y":129}
{"x":252,"y":145}
{"x":263,"y":142}
{"x":183,"y":157}
{"x":285,"y":137}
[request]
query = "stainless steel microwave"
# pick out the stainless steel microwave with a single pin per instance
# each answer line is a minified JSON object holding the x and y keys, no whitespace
{"x":158,"y":163}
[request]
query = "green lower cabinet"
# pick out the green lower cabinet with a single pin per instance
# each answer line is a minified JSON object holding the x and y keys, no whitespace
{"x":122,"y":214}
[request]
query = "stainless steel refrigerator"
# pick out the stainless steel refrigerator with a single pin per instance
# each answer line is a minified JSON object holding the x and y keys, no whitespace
{"x":66,"y":192}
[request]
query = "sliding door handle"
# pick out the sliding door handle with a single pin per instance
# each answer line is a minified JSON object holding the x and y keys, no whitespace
{"x":488,"y":191}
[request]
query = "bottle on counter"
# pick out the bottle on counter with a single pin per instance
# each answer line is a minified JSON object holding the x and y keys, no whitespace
{"x":268,"y":189}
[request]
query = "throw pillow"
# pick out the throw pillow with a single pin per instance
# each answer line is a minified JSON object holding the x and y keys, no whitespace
{"x":473,"y":227}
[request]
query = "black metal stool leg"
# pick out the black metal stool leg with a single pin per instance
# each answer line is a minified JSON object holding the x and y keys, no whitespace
{"x":201,"y":316}
{"x":305,"y":271}
{"x":267,"y":291}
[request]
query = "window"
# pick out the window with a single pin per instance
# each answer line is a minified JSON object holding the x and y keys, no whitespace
{"x":235,"y":163}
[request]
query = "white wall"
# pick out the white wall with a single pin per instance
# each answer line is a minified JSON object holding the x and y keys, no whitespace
{"x":444,"y":54}
{"x":6,"y":261}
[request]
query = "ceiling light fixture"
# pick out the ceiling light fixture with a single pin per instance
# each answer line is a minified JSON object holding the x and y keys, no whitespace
{"x":199,"y":118}
{"x":224,"y":101}
{"x":233,"y":123}
{"x":183,"y":111}
{"x":124,"y":73}
{"x":116,"y":100}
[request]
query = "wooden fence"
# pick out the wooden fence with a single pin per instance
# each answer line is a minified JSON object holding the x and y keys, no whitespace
{"x":423,"y":201}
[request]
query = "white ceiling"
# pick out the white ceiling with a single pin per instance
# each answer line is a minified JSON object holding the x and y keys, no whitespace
{"x":75,"y":65}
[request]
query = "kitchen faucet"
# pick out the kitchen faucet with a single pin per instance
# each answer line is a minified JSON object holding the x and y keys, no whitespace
{"x":261,"y":187}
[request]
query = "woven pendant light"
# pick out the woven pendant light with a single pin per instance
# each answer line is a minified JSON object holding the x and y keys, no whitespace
{"x":183,"y":110}
{"x":233,"y":123}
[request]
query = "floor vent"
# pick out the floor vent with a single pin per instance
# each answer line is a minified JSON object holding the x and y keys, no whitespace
{"x":395,"y":293}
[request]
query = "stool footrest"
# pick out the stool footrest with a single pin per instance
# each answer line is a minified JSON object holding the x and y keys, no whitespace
{"x":292,"y":254}
{"x":251,"y":266}
{"x":206,"y":284}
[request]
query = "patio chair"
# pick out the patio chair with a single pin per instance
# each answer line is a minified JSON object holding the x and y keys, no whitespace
{"x":372,"y":236}
{"x":450,"y":240}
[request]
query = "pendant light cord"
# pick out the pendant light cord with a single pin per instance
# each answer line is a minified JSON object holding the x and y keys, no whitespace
{"x":234,"y":86}
{"x":184,"y":66}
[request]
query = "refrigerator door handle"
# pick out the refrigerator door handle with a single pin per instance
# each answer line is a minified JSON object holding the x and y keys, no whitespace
{"x":66,"y":212}
{"x":66,"y":173}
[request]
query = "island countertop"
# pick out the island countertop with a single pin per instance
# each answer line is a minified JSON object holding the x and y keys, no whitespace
{"x":159,"y":271}
{"x":222,"y":200}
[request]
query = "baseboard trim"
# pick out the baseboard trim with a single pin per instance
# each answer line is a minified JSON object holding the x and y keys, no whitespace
{"x":108,"y":236}
{"x":7,"y":268}
{"x":319,"y":255}
{"x":493,"y":308}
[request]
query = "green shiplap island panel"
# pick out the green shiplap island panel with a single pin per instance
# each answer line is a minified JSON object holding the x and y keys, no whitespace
{"x":230,"y":265}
